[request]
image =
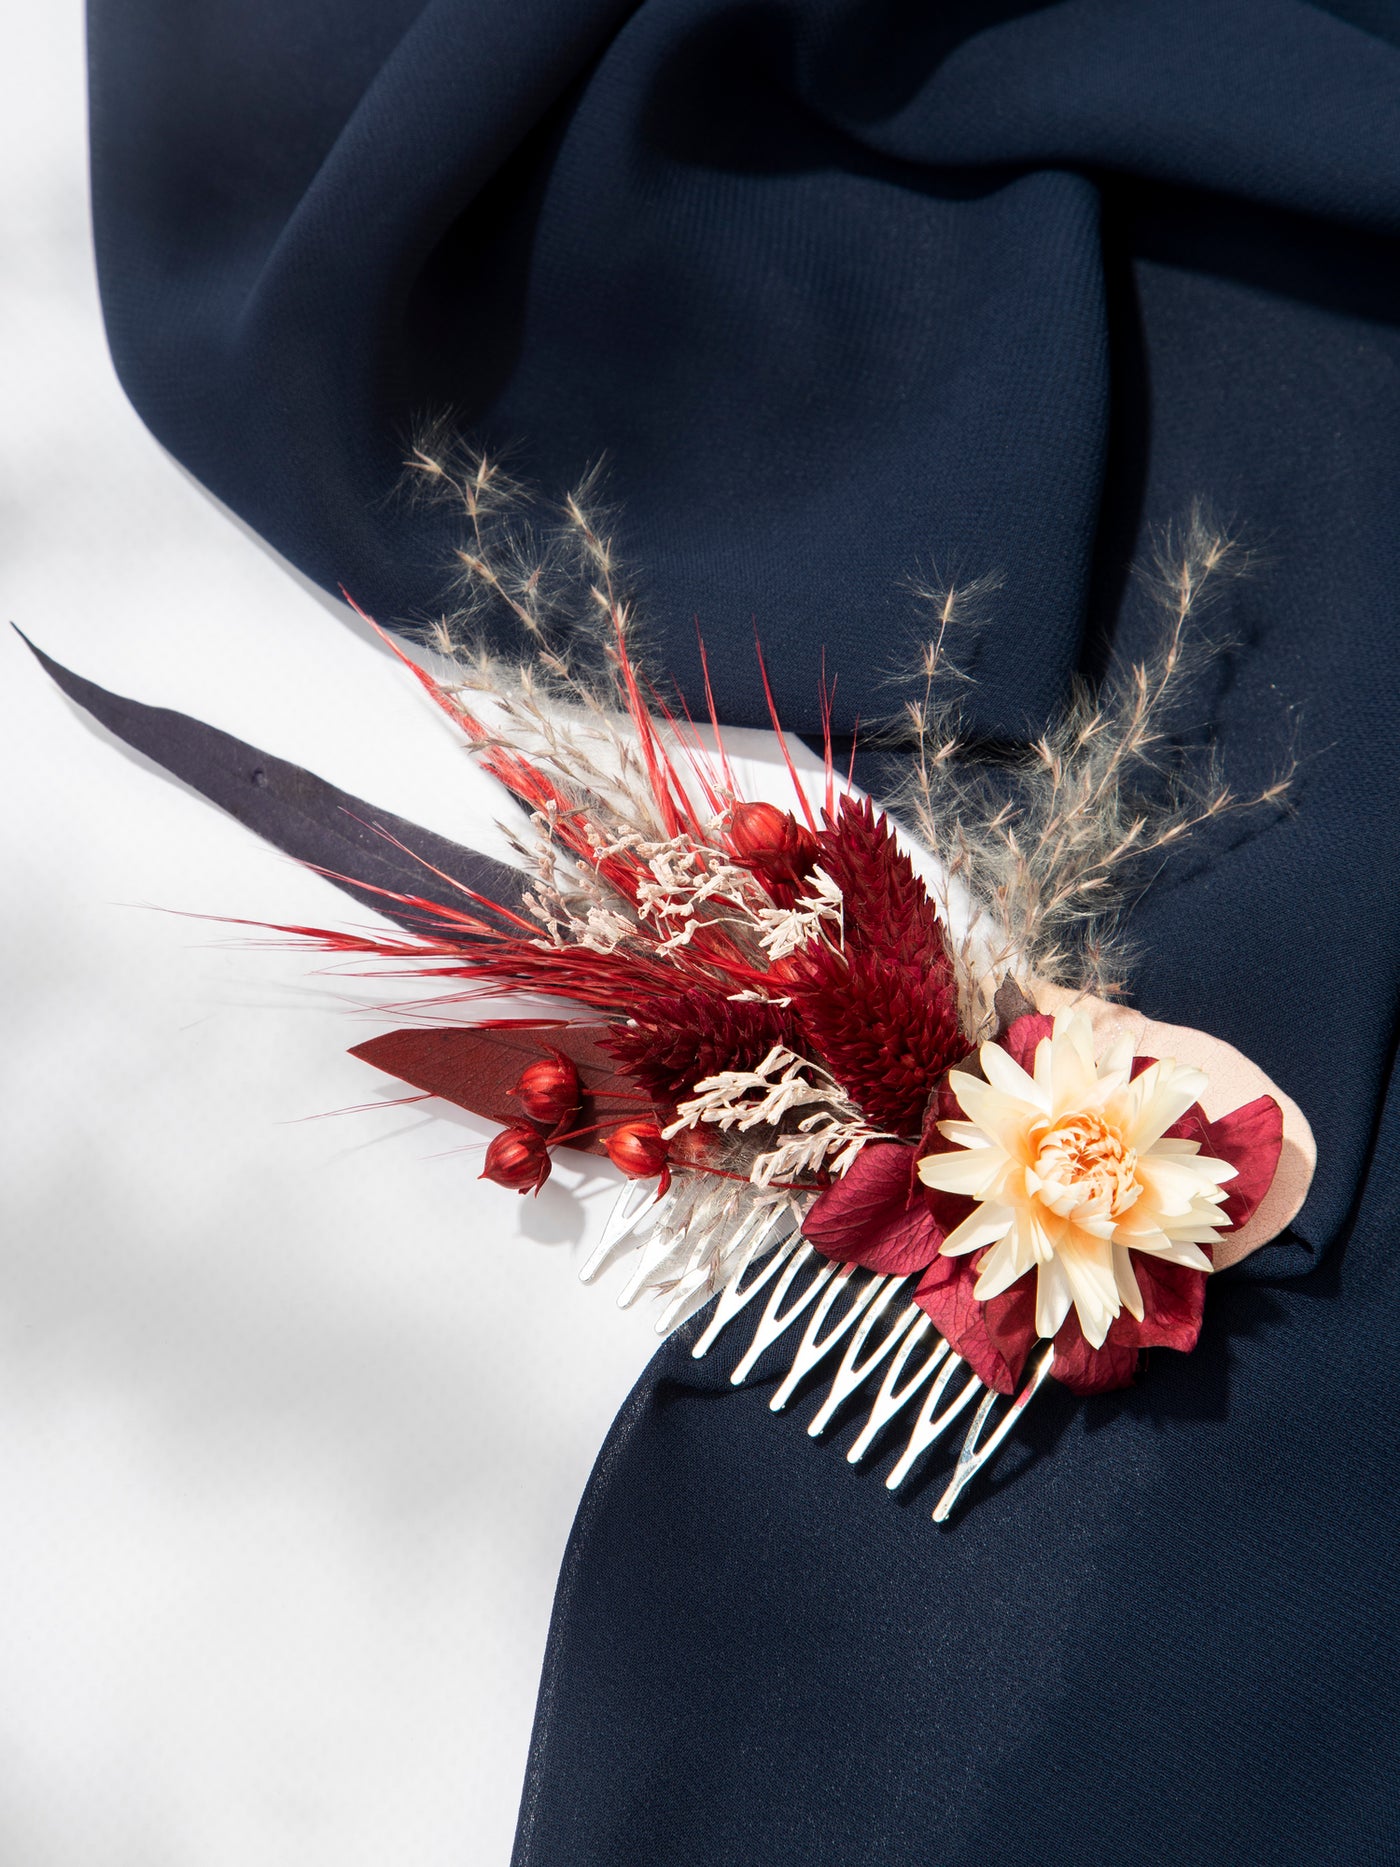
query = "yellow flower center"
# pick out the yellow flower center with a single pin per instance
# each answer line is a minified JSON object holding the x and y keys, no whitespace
{"x":1084,"y":1164}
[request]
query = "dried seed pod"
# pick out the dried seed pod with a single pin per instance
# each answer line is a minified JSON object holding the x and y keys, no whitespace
{"x":518,"y":1158}
{"x":638,"y":1149}
{"x":549,"y":1091}
{"x":771,"y":842}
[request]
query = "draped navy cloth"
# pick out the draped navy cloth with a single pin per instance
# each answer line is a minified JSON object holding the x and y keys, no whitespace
{"x":844,"y":288}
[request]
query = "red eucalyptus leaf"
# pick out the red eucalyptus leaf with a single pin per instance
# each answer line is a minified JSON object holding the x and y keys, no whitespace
{"x":478,"y":1066}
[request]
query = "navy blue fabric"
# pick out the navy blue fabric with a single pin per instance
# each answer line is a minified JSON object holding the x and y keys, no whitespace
{"x":846,"y":287}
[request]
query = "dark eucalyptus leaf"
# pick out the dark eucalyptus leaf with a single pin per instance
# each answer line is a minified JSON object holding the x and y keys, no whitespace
{"x":362,"y":849}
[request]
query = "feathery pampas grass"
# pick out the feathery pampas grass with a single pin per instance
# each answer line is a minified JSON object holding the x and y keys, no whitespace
{"x":1048,"y":843}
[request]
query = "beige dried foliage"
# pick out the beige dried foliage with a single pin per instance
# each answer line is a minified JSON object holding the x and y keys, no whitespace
{"x":549,"y":576}
{"x":1047,"y":843}
{"x":549,"y":572}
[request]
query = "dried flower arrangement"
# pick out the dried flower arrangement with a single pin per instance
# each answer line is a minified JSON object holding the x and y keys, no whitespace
{"x":808,"y":1038}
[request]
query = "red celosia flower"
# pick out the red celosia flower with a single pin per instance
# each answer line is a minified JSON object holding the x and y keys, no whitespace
{"x":771,"y":842}
{"x":675,"y":1042}
{"x":638,"y":1149}
{"x":880,"y":1216}
{"x":549,"y":1091}
{"x":518,"y":1158}
{"x":885,"y":1031}
{"x":882,"y":1013}
{"x":886,"y":908}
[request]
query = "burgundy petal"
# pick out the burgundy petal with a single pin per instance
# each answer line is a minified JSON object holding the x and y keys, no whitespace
{"x":877,"y":1214}
{"x":1173,"y":1300}
{"x":1251,"y":1139}
{"x":1010,"y":1320}
{"x":1022,"y":1039}
{"x":1086,"y":1370}
{"x":993,"y":1338}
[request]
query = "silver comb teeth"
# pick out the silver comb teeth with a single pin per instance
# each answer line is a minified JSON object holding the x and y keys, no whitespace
{"x":766,"y":1251}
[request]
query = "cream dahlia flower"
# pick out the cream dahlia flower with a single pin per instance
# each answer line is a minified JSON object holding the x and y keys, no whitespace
{"x":1073,"y":1172}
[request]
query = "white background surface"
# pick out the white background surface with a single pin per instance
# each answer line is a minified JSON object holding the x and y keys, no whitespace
{"x":294,"y":1414}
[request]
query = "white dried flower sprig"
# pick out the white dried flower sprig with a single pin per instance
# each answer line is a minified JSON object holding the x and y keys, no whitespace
{"x":692,"y":885}
{"x":812,"y":917}
{"x":829,"y":1137}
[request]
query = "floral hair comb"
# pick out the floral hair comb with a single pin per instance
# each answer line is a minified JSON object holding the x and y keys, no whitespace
{"x":870,"y":1075}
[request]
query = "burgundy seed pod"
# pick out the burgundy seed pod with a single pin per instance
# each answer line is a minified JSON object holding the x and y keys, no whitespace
{"x":638,"y":1149}
{"x":549,"y":1091}
{"x":517,"y":1158}
{"x":771,"y":842}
